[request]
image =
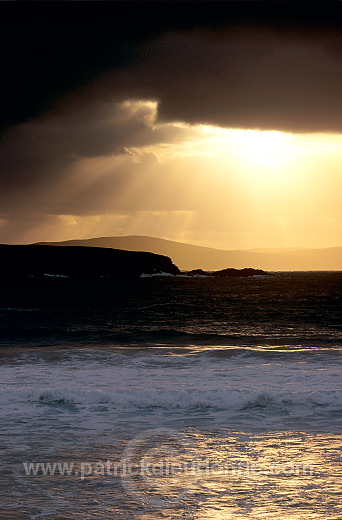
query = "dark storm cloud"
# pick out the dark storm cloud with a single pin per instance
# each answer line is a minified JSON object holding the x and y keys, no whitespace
{"x":99,"y":130}
{"x":40,"y":152}
{"x":249,"y":64}
{"x":244,"y":79}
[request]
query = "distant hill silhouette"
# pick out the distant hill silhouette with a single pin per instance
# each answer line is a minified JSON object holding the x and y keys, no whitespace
{"x":189,"y":257}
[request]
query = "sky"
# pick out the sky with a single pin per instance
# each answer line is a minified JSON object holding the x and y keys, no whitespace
{"x":212,"y":123}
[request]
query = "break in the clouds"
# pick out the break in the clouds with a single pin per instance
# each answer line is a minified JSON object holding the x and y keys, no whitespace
{"x":128,"y":125}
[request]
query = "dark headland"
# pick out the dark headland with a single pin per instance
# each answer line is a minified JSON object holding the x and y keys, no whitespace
{"x":78,"y":261}
{"x":22,"y":261}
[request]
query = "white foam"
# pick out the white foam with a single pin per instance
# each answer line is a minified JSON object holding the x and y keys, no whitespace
{"x":106,"y":386}
{"x":151,"y":275}
{"x":55,"y":275}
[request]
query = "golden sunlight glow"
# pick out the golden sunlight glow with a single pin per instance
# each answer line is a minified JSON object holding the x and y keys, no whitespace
{"x":218,"y":187}
{"x":260,"y":148}
{"x":265,"y":148}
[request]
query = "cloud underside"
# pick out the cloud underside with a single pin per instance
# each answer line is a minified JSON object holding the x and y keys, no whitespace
{"x":249,"y":80}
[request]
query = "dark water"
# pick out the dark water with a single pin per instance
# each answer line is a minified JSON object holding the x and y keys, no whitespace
{"x":288,"y":309}
{"x":172,"y":398}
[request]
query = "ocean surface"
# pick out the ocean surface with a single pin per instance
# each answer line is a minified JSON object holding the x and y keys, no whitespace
{"x":172,"y":397}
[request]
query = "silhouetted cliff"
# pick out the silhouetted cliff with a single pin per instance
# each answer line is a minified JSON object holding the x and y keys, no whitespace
{"x":77,"y":261}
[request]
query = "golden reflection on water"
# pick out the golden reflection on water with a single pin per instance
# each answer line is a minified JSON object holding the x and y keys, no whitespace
{"x":280,"y":475}
{"x":226,"y":475}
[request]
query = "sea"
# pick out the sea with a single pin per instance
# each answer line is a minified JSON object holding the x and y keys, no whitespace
{"x":172,"y":397}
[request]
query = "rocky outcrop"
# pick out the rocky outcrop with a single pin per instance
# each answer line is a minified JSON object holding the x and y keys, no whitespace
{"x":229,"y":273}
{"x":198,"y":272}
{"x":240,"y":273}
{"x":78,"y":261}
